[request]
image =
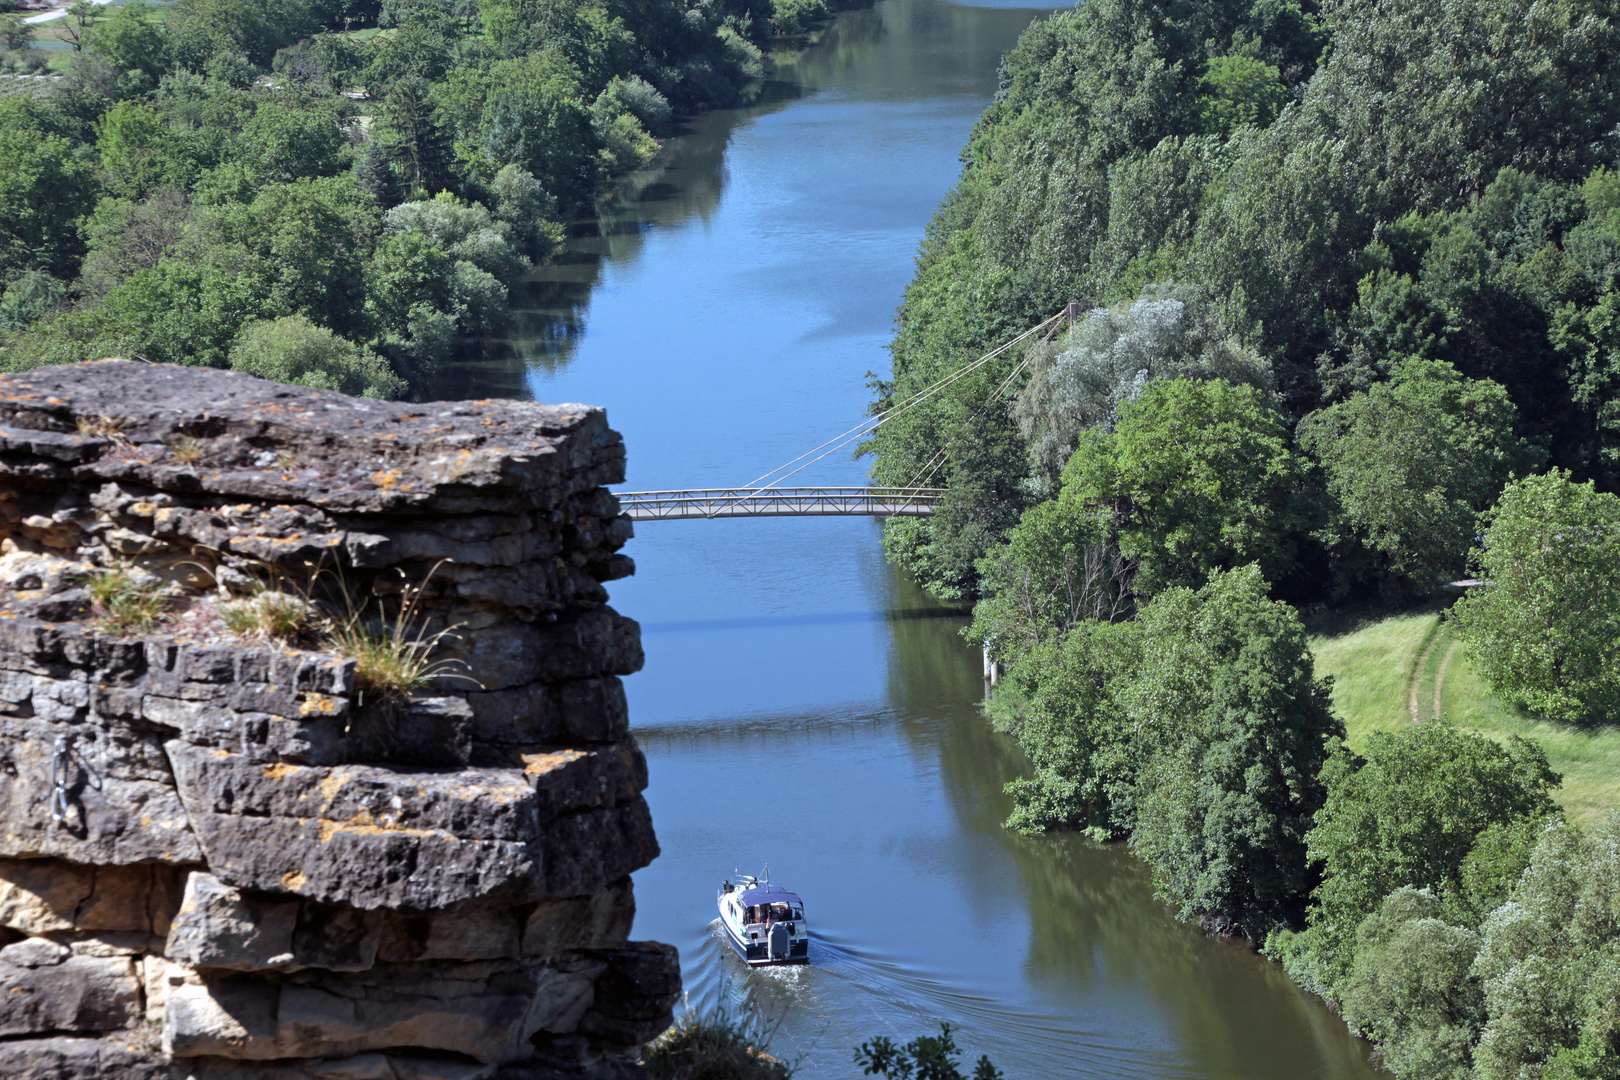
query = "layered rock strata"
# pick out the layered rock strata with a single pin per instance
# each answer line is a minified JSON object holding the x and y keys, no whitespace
{"x":226,"y":854}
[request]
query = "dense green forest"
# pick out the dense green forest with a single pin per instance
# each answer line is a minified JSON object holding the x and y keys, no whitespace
{"x":329,"y":192}
{"x":1348,"y":288}
{"x":1295,"y":200}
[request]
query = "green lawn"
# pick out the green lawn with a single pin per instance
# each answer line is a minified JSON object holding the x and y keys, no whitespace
{"x":1385,"y":669}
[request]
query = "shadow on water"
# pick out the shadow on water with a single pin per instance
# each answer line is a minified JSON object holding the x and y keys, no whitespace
{"x":549,"y":306}
{"x":682,"y":186}
{"x":1050,"y":953}
{"x":1095,"y":926}
{"x":802,"y":703}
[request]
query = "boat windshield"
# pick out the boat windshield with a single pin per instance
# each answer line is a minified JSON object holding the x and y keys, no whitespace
{"x":773,"y":913}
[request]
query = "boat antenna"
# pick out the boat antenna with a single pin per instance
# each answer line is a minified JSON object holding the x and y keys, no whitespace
{"x":767,"y":873}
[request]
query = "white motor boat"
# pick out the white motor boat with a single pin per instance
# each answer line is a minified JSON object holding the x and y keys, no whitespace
{"x":764,"y":923}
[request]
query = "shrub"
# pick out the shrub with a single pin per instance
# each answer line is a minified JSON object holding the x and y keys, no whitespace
{"x":1074,"y":730}
{"x":925,"y":1057}
{"x":626,"y":146}
{"x":521,"y":202}
{"x":1412,"y":987}
{"x":795,"y":16}
{"x":466,"y":231}
{"x":1545,"y":629}
{"x":1409,"y":814}
{"x":1551,"y":963}
{"x":642,"y":100}
{"x":715,"y":1046}
{"x":294,"y":350}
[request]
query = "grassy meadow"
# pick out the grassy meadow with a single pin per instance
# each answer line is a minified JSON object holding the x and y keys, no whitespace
{"x":1390,"y":672}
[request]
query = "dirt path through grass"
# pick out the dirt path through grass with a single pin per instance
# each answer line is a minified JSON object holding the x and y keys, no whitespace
{"x":1417,"y":676}
{"x":1440,"y":677}
{"x":1389,"y":673}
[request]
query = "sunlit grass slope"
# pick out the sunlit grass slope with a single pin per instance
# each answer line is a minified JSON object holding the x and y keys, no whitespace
{"x":1387,"y":670}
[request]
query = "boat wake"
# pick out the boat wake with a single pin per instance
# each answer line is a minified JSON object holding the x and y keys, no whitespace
{"x":847,"y":995}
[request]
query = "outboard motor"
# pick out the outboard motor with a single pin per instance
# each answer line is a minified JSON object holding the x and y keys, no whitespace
{"x":780,"y":941}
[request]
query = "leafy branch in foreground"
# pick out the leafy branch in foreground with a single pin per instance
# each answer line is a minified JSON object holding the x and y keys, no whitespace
{"x":923,"y":1058}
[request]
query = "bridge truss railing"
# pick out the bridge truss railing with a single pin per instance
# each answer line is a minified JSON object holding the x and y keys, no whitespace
{"x":780,"y":501}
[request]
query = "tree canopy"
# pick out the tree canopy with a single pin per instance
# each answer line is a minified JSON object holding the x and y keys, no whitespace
{"x":1199,"y":476}
{"x":1329,"y":195}
{"x":1412,"y":461}
{"x":222,"y":166}
{"x":1199,"y":730}
{"x":1408,"y":814}
{"x":1545,"y":628}
{"x":1342,"y":279}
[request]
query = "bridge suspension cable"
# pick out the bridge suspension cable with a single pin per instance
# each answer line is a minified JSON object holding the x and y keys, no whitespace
{"x":872,"y":423}
{"x":925,"y":472}
{"x":756,"y":500}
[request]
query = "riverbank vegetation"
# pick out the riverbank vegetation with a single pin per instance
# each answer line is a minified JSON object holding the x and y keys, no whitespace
{"x":332,"y":193}
{"x":1346,"y":277}
{"x":722,"y":1044}
{"x":719,"y":1044}
{"x":926,"y":1057}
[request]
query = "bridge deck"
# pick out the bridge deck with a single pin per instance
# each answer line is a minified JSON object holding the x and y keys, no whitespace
{"x":779,"y":502}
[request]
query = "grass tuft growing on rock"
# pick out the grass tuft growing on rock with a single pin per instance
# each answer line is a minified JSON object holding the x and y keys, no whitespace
{"x":393,"y":656}
{"x":104,"y":427}
{"x":127,"y":602}
{"x":715,"y":1046}
{"x":186,"y":450}
{"x":269,"y":614}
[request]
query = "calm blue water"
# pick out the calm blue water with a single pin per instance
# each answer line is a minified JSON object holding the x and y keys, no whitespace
{"x":801,"y":704}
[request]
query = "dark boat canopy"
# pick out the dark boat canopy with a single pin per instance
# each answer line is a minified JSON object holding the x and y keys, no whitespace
{"x":765,"y":894}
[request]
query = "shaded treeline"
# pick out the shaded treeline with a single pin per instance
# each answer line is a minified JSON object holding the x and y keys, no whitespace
{"x":1348,"y":276}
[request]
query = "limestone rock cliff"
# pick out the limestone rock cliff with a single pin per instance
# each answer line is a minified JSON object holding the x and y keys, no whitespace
{"x":229,"y":849}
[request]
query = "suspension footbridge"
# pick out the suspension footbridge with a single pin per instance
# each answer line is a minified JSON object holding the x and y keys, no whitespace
{"x":765,"y":496}
{"x":780,"y":501}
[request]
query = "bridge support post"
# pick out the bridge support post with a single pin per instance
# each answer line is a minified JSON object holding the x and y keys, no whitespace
{"x":992,"y":667}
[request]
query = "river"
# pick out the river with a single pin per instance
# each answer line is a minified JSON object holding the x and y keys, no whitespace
{"x":802,"y":704}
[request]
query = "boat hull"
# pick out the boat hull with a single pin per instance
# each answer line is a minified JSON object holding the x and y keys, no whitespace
{"x":757,"y":953}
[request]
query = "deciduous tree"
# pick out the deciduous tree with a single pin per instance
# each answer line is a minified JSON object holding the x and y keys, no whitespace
{"x":1545,"y":628}
{"x":1412,"y":461}
{"x":294,"y":350}
{"x":1408,"y":814}
{"x":47,"y":187}
{"x":1199,"y":476}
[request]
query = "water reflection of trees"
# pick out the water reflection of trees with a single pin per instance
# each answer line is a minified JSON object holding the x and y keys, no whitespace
{"x":685,"y":184}
{"x":548,"y":309}
{"x":1094,"y":921}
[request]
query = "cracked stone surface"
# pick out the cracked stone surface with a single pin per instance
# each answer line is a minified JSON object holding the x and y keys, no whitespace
{"x":225,"y":856}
